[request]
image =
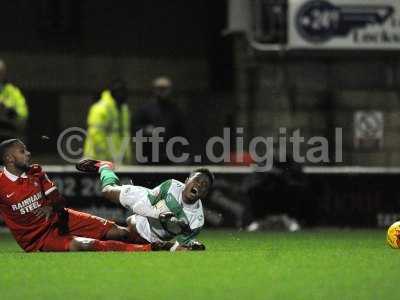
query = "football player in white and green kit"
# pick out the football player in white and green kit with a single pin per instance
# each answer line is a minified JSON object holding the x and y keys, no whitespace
{"x":171,"y":211}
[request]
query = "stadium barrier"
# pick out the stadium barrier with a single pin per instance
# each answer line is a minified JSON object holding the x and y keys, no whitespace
{"x":337,"y":195}
{"x":332,"y":196}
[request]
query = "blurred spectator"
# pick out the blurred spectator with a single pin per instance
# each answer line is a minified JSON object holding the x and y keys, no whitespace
{"x":161,"y":112}
{"x":224,"y":205}
{"x":109,"y":132}
{"x":280,"y":197}
{"x":13,"y":108}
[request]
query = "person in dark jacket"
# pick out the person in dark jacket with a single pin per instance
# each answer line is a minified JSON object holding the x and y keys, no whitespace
{"x":160,"y":115}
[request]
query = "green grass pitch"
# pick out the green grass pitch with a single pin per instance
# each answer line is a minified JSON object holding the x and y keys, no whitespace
{"x":320,"y":264}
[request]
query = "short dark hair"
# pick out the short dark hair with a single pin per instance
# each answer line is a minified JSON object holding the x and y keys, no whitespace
{"x":206,"y":172}
{"x":5,"y":145}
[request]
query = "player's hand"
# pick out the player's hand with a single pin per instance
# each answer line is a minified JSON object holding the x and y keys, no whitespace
{"x":168,"y":216}
{"x":44,"y":211}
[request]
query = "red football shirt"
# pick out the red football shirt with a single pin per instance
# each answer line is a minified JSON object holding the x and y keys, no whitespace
{"x":19,"y":198}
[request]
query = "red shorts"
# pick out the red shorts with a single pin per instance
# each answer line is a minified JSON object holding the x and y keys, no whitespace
{"x":79,"y":224}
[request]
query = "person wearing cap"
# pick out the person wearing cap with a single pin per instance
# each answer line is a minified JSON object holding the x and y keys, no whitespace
{"x":13,"y":108}
{"x":162,"y":112}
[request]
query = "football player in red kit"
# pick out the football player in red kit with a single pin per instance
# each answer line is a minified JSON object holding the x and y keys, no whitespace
{"x":35,"y":212}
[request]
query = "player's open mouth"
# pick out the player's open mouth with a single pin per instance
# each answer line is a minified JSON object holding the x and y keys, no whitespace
{"x":194,"y":192}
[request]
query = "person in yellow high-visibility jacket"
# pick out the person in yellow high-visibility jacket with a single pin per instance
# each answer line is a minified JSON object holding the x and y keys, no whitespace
{"x":13,"y":108}
{"x":109,"y":130}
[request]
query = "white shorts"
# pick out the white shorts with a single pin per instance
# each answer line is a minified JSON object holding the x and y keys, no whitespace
{"x":142,"y":226}
{"x":131,"y":194}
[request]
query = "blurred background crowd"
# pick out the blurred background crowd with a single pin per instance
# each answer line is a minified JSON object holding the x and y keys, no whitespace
{"x":63,"y":55}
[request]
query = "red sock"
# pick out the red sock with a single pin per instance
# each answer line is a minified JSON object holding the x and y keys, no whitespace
{"x":118,"y":246}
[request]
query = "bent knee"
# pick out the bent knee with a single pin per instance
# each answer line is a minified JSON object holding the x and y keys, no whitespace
{"x":131,"y":221}
{"x":118,"y":233}
{"x":111,"y":193}
{"x":106,"y":191}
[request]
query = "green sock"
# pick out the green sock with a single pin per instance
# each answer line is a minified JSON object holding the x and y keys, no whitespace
{"x":108,"y":177}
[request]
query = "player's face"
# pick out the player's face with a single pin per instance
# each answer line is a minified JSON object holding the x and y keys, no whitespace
{"x":20,"y":156}
{"x":196,"y":188}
